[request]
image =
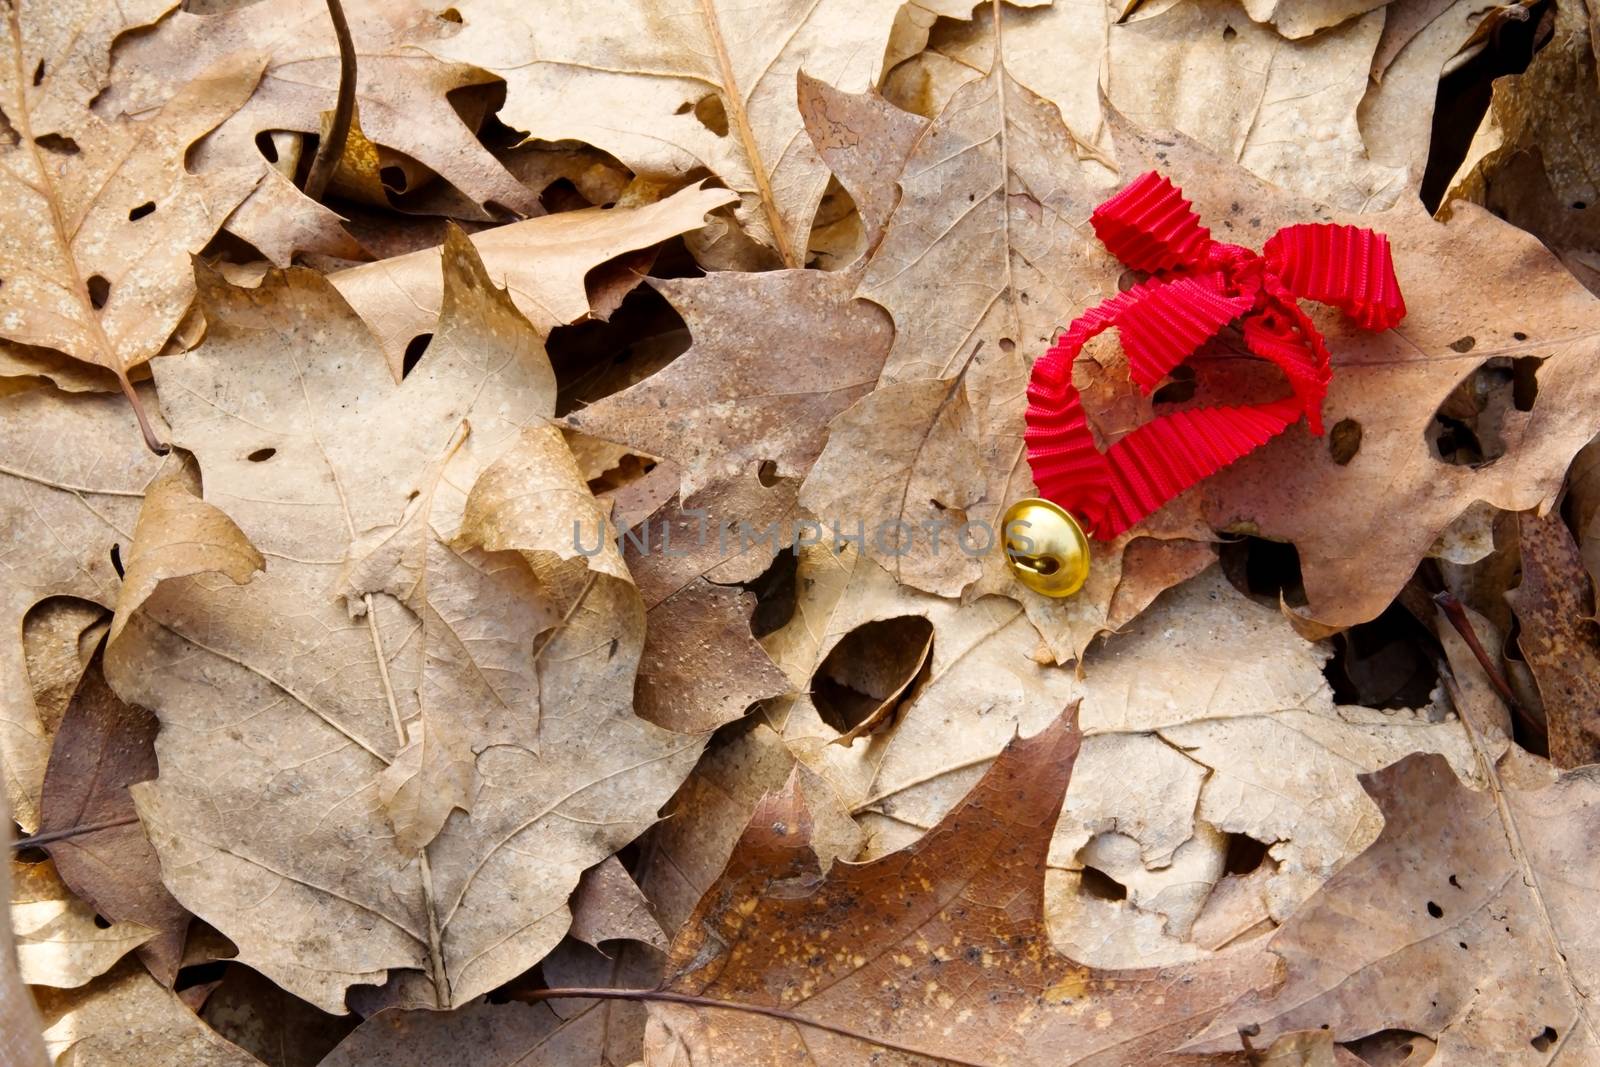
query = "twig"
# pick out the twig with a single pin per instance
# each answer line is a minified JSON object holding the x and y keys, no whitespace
{"x":665,"y":996}
{"x":1457,"y":614}
{"x":71,"y":831}
{"x":331,"y":148}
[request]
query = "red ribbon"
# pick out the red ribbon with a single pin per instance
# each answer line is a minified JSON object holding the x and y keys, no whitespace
{"x":1197,"y":286}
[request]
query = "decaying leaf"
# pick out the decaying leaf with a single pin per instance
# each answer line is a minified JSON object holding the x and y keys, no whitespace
{"x":702,"y":85}
{"x":88,"y":820}
{"x":1559,"y":639}
{"x":915,"y":953}
{"x":310,"y":853}
{"x":609,"y":907}
{"x":479,"y":1034}
{"x":1468,"y":921}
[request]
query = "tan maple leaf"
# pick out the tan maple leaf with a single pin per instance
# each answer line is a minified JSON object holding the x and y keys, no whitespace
{"x":422,"y":593}
{"x":937,"y":951}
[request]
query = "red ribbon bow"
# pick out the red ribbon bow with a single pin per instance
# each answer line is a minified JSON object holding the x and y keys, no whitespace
{"x":1197,"y":286}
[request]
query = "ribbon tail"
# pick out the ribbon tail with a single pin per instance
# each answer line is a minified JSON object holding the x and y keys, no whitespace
{"x":1154,"y":463}
{"x":1150,"y":226}
{"x":1348,"y":267}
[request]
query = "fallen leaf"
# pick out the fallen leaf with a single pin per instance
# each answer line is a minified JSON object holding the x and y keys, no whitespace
{"x":402,"y":94}
{"x":100,"y":850}
{"x":709,"y":85}
{"x":609,"y":907}
{"x":95,"y":250}
{"x":775,"y":356}
{"x":128,"y":1018}
{"x":1558,"y":637}
{"x":1531,"y":163}
{"x":87,"y":498}
{"x":292,"y":854}
{"x":58,"y":941}
{"x":937,"y":951}
{"x":541,"y":263}
{"x":1486,"y":893}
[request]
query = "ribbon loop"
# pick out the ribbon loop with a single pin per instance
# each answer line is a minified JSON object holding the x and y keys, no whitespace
{"x":1199,"y":286}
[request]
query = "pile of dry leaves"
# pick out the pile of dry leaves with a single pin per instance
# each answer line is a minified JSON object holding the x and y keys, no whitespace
{"x":340,"y":727}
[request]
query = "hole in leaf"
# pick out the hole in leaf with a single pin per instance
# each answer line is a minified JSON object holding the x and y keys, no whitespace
{"x":414,"y":350}
{"x":1434,"y":910}
{"x":99,"y":291}
{"x":266,"y":147}
{"x":1265,"y":570}
{"x":393,"y":178}
{"x":38,"y":73}
{"x":102,"y":923}
{"x":776,"y":594}
{"x":141,"y":211}
{"x":1577,"y":205}
{"x":1245,"y":854}
{"x":1179,"y":386}
{"x":684,"y":108}
{"x":712,"y":114}
{"x":767,"y":474}
{"x":1392,"y":1048}
{"x":1468,"y":428}
{"x":1007,"y":345}
{"x":1344,"y":441}
{"x":876,"y":663}
{"x":1463,"y":344}
{"x":261,"y":455}
{"x":1519,"y":336}
{"x":1387,"y":662}
{"x":1098,"y":885}
{"x":1454,"y":882}
{"x":1229,"y":33}
{"x":54,"y":142}
{"x":1544,"y":1039}
{"x":116,"y":560}
{"x":450,"y":14}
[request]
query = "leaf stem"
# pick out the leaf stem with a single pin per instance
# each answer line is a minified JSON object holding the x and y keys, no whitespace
{"x":71,"y":831}
{"x":331,"y":148}
{"x":1457,"y":614}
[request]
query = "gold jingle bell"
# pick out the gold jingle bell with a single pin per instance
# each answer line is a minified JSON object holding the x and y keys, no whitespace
{"x":1045,"y":547}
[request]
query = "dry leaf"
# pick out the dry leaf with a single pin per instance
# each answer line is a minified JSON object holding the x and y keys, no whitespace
{"x":1558,"y":638}
{"x":938,"y":951}
{"x":100,"y":850}
{"x":609,"y":907}
{"x":1532,"y":162}
{"x":669,"y":90}
{"x":1469,"y":921}
{"x":402,"y":94}
{"x":84,"y":501}
{"x":335,"y":471}
{"x":58,"y":941}
{"x":541,"y":262}
{"x":127,"y":1018}
{"x":104,"y":216}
